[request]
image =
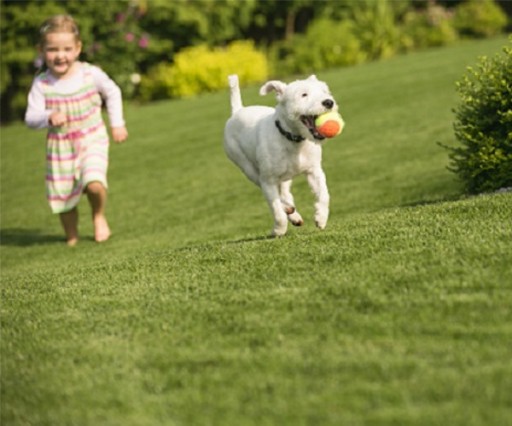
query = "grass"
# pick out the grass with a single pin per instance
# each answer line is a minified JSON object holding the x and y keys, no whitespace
{"x":397,"y":313}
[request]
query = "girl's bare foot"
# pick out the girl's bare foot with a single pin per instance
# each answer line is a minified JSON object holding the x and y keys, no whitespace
{"x":69,"y":221}
{"x":101,"y":229}
{"x":72,"y":242}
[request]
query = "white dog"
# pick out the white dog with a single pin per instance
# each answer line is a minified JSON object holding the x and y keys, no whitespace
{"x":273,"y":145}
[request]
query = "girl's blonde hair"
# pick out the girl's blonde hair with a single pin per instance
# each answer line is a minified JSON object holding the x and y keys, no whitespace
{"x":59,"y":24}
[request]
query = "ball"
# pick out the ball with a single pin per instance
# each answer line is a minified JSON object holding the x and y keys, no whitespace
{"x":329,"y":124}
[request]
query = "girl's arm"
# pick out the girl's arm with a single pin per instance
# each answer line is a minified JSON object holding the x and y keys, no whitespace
{"x":37,"y":116}
{"x":111,"y":93}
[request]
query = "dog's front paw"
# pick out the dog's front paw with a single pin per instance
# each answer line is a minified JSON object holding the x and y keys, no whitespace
{"x":279,"y":231}
{"x":274,"y":234}
{"x":321,"y":220}
{"x":321,"y":224}
{"x":321,"y":215}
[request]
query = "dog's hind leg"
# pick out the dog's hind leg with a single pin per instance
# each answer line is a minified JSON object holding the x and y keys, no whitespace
{"x":289,"y":204}
{"x":271,"y":193}
{"x":250,"y":171}
{"x":287,"y":197}
{"x":235,"y":154}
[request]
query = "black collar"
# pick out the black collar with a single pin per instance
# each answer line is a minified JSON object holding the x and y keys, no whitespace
{"x":288,"y":135}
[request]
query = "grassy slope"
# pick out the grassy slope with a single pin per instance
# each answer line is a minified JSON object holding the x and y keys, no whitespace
{"x":397,"y":314}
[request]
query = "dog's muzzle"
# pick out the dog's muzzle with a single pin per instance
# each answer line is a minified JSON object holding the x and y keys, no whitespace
{"x":309,"y":122}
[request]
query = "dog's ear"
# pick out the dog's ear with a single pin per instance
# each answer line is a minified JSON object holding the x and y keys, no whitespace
{"x":312,"y":78}
{"x":276,"y":85}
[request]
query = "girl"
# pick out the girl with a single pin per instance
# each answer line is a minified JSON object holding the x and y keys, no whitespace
{"x":66,"y":98}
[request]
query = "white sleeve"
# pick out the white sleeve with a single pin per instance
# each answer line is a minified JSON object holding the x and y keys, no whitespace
{"x":36,"y":116}
{"x":111,"y":93}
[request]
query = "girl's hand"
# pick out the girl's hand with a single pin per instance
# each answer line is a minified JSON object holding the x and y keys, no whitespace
{"x":57,"y":119}
{"x":119,"y":134}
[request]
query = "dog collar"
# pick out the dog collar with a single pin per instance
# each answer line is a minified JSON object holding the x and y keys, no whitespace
{"x":288,"y":135}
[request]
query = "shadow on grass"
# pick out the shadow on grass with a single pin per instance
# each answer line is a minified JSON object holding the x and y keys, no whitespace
{"x":207,"y":246}
{"x":27,"y":237}
{"x":252,"y":239}
{"x":434,"y":201}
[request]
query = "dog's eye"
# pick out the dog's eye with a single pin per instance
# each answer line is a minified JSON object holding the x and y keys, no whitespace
{"x":304,"y":95}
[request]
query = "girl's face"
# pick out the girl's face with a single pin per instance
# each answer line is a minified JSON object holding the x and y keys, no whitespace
{"x":60,"y":51}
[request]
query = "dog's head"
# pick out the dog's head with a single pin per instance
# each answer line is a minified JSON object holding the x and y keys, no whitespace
{"x":300,"y":103}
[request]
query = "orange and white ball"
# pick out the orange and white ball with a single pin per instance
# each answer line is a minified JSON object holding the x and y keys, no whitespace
{"x":329,"y":124}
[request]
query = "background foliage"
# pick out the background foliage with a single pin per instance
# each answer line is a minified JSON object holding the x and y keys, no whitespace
{"x":480,"y":18}
{"x":133,"y":39}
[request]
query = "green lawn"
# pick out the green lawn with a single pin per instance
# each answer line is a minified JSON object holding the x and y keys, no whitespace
{"x":399,"y":313}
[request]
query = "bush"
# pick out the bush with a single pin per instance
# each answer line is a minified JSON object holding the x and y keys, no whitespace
{"x":430,"y":27}
{"x":326,"y":44}
{"x":202,"y":69}
{"x":377,"y":28}
{"x":480,"y":18}
{"x":483,"y":125}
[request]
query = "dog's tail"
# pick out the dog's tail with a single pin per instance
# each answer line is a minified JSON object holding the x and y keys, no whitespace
{"x":236,"y":97}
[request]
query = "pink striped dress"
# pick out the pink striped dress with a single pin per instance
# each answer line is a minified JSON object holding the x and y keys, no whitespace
{"x":76,"y":153}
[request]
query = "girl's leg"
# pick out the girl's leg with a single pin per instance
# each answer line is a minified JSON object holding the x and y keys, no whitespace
{"x":69,"y":222}
{"x":97,"y":196}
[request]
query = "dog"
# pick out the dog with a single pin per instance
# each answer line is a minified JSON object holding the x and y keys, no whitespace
{"x":273,"y":145}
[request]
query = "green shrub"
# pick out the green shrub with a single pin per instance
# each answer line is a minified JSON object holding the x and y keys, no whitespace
{"x":202,"y":69}
{"x":326,"y":44}
{"x":369,"y":30}
{"x":430,"y":27}
{"x":483,"y":125}
{"x":377,"y":29}
{"x":480,"y":18}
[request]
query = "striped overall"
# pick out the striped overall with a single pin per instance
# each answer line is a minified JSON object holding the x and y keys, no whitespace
{"x":76,"y":153}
